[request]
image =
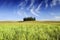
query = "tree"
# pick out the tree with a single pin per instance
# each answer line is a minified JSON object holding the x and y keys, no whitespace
{"x":29,"y":19}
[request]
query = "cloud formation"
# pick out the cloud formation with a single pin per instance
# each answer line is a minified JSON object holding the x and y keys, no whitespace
{"x":54,"y":3}
{"x":57,"y":17}
{"x":35,"y":8}
{"x":32,"y":3}
{"x":33,"y":12}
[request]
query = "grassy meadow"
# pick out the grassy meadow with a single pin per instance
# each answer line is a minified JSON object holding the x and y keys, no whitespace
{"x":33,"y":30}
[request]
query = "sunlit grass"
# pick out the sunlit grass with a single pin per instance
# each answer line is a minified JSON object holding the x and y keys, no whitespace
{"x":29,"y":31}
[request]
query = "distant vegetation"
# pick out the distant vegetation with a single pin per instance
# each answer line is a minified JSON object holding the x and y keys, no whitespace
{"x":29,"y":19}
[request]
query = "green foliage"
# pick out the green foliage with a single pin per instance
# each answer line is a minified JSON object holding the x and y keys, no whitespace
{"x":29,"y":19}
{"x":29,"y":31}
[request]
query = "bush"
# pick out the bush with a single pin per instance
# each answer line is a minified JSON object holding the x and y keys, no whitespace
{"x":29,"y":19}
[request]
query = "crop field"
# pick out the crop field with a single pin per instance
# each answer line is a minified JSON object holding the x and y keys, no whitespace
{"x":30,"y":30}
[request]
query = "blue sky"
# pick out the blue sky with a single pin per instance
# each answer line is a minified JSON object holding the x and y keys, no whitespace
{"x":40,"y":9}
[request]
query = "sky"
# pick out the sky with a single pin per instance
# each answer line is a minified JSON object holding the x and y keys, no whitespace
{"x":12,"y":10}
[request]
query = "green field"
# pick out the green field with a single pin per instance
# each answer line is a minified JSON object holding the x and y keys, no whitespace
{"x":30,"y":30}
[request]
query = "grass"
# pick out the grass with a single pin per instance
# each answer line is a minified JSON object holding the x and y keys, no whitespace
{"x":30,"y":30}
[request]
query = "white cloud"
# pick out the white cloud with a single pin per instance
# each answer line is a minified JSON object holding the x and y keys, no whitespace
{"x":46,"y":2}
{"x":22,"y":4}
{"x":21,"y":12}
{"x":32,"y":3}
{"x":54,"y":15}
{"x":46,"y":5}
{"x":33,"y":12}
{"x":39,"y":6}
{"x":53,"y":3}
{"x":57,"y":17}
{"x":37,"y":10}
